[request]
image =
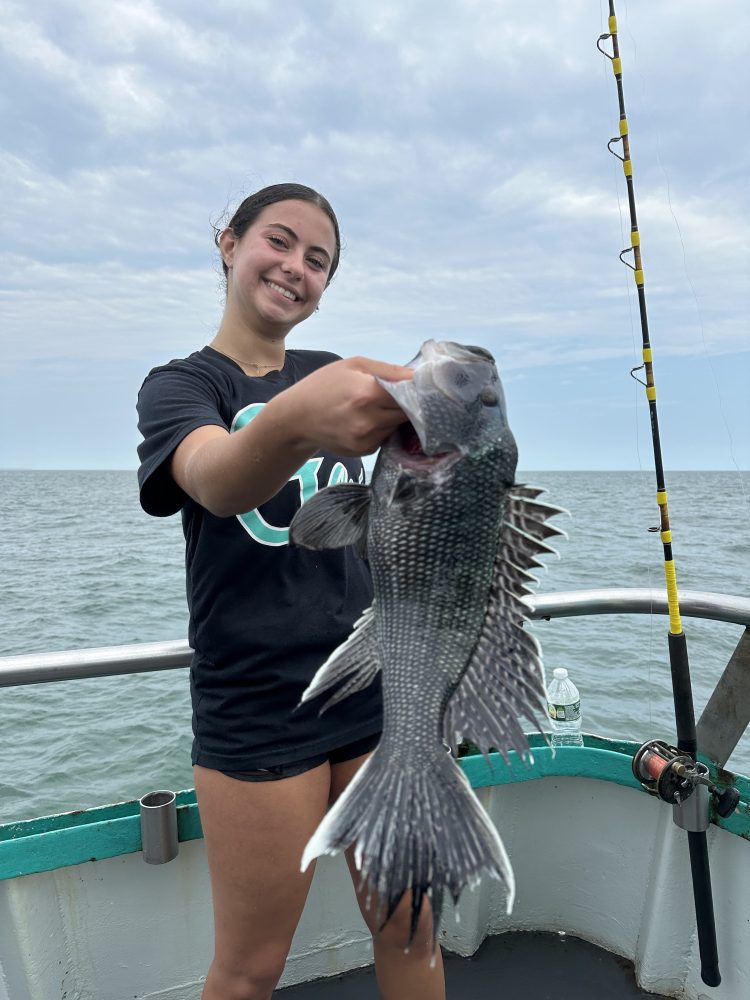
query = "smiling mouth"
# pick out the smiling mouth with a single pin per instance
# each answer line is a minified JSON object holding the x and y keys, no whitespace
{"x":282,"y":291}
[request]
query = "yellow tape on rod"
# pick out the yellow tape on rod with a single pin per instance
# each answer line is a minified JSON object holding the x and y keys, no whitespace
{"x":675,"y":623}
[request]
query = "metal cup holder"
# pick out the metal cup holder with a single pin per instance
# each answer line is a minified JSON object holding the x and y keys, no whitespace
{"x":159,"y":827}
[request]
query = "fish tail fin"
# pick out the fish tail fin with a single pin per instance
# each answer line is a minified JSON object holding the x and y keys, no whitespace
{"x":419,"y":830}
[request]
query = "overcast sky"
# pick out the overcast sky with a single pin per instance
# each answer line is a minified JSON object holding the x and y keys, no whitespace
{"x":463,"y":146}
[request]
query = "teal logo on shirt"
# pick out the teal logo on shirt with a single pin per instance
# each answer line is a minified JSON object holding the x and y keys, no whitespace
{"x":306,"y":477}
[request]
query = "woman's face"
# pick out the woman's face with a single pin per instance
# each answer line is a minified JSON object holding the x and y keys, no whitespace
{"x":279,"y":268}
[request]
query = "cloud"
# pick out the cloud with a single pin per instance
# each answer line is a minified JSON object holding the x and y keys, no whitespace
{"x":463,"y":146}
{"x":92,"y":314}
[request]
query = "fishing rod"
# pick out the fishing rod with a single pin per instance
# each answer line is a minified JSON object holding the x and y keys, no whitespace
{"x":673,"y":773}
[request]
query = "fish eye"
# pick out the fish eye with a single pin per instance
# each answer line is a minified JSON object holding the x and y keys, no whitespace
{"x":488,"y":396}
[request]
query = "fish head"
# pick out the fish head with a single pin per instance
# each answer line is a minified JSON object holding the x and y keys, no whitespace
{"x":455,"y":405}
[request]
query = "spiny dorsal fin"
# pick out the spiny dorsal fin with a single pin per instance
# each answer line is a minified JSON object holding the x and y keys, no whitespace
{"x":504,"y":679}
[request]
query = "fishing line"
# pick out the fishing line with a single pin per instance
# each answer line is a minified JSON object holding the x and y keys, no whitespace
{"x":630,"y":309}
{"x":701,"y":325}
{"x":650,"y":658}
{"x":647,"y":106}
{"x":677,"y":642}
{"x":622,"y":237}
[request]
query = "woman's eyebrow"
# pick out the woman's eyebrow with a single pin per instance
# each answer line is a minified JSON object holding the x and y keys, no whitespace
{"x":291,"y":232}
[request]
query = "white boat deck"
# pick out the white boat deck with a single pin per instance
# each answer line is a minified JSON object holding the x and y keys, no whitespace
{"x":524,"y":966}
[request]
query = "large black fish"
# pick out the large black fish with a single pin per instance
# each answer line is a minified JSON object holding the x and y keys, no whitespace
{"x":450,"y":539}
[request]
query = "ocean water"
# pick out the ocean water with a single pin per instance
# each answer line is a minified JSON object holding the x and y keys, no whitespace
{"x":82,"y":565}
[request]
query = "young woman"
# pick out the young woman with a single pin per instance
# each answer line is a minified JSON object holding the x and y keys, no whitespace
{"x":237,"y":436}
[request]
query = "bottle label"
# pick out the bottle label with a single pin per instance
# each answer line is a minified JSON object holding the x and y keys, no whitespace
{"x":565,"y":713}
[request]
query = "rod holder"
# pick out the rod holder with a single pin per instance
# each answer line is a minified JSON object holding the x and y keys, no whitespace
{"x":693,"y":813}
{"x":159,"y":827}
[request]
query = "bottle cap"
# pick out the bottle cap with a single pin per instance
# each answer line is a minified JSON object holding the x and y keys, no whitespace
{"x":560,"y":673}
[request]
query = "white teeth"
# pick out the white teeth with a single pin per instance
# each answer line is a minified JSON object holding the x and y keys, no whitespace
{"x":277,"y":288}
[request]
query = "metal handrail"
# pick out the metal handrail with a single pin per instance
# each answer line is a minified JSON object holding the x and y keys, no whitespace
{"x":636,"y":601}
{"x":94,"y":661}
{"x":109,"y":661}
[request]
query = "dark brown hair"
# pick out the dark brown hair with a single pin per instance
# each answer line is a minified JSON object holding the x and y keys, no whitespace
{"x":254,"y":204}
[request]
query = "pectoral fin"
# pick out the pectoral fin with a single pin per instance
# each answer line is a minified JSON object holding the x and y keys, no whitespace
{"x":504,"y":679}
{"x":334,"y":517}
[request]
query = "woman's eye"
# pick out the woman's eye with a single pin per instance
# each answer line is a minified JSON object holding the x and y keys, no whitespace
{"x":317,"y":263}
{"x":278,"y":241}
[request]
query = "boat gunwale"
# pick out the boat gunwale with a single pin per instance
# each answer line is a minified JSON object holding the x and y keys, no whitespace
{"x":48,"y":843}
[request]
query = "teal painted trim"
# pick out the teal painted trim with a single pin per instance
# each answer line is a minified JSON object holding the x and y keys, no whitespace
{"x":567,"y":762}
{"x":52,"y":842}
{"x":42,"y":845}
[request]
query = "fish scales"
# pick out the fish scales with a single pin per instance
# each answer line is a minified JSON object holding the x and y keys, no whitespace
{"x":432,"y":570}
{"x":451,"y":541}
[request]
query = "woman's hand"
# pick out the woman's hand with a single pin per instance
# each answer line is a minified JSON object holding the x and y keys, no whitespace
{"x":339,"y":408}
{"x":342,"y":407}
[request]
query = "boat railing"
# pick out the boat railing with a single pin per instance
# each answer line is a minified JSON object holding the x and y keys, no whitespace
{"x":721,"y":726}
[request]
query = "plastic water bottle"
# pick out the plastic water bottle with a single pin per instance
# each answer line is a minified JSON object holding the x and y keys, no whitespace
{"x":564,"y":707}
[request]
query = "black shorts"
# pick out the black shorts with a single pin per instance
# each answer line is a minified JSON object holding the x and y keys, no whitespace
{"x":337,"y":756}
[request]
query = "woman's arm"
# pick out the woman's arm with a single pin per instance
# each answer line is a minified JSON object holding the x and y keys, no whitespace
{"x":339,"y":407}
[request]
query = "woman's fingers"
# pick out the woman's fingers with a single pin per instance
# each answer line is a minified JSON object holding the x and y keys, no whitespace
{"x":343,"y":408}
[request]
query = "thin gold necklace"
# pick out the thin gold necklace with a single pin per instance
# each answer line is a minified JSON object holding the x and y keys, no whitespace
{"x":250,"y":364}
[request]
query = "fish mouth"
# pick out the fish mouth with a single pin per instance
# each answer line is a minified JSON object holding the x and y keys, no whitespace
{"x":407,"y":447}
{"x":451,"y":386}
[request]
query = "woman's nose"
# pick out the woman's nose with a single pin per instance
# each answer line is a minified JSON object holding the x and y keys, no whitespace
{"x":293,"y":264}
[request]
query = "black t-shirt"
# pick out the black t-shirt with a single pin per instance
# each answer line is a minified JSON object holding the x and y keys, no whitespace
{"x":264,"y":615}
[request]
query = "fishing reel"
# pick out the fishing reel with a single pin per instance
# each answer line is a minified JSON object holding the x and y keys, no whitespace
{"x":673,"y":775}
